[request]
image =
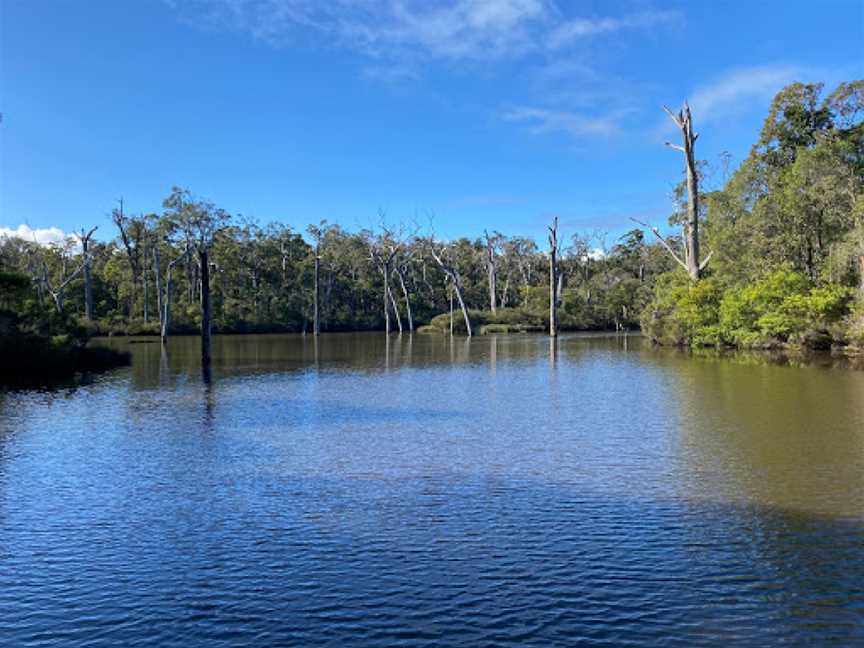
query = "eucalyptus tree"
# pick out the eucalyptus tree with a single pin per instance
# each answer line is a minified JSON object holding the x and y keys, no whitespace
{"x":200,"y":221}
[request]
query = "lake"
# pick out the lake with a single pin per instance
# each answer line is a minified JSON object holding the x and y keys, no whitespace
{"x":420,"y":491}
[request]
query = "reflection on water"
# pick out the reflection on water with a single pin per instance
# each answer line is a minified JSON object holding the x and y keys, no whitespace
{"x":417,"y":490}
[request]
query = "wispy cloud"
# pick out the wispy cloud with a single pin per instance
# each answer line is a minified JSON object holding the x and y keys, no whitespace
{"x":579,"y":126}
{"x":42,"y":236}
{"x":741,"y":88}
{"x":416,"y":31}
{"x":581,"y":28}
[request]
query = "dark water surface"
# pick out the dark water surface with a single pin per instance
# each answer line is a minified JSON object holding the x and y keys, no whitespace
{"x":429,"y":492}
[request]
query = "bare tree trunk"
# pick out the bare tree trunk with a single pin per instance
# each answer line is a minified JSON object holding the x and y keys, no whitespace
{"x":559,"y":290}
{"x":451,"y":311}
{"x":407,"y":300}
{"x":316,"y":316}
{"x":88,"y":278}
{"x":692,"y":263}
{"x":491,"y":271}
{"x":204,"y":259}
{"x":144,"y":282}
{"x":157,"y":277}
{"x":505,"y":294}
{"x":453,"y":275}
{"x":395,"y":309}
{"x":386,"y":301}
{"x":165,"y":314}
{"x":553,"y":271}
{"x":462,"y":306}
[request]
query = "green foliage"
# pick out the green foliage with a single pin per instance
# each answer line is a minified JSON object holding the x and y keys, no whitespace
{"x":782,"y":308}
{"x":37,"y":344}
{"x":683,"y":313}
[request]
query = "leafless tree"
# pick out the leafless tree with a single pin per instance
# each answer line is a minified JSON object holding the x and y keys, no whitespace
{"x":691,"y":259}
{"x":553,"y":278}
{"x":492,"y":244}
{"x":442,"y":253}
{"x":84,"y":237}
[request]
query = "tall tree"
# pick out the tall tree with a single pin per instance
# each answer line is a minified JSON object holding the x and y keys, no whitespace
{"x":201,"y":221}
{"x":691,"y":262}
{"x":85,"y":237}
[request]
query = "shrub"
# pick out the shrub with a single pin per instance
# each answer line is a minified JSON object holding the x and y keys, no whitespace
{"x":683,"y":312}
{"x":781,"y":308}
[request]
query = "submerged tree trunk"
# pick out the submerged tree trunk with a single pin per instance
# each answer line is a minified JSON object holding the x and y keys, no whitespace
{"x":165,"y":313}
{"x":553,"y":278}
{"x":450,"y":272}
{"x":144,"y":286}
{"x":462,"y":306}
{"x":157,"y":278}
{"x":492,"y":272}
{"x":395,"y":309}
{"x":88,"y":278}
{"x":204,"y":260}
{"x":316,"y":315}
{"x":451,"y":311}
{"x":407,"y":300}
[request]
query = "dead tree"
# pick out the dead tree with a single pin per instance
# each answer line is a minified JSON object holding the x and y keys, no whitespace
{"x":492,"y":267}
{"x":85,"y":237}
{"x":691,"y":261}
{"x":318,"y":232}
{"x":382,"y":256}
{"x":164,"y":298}
{"x":132,"y":235}
{"x":553,"y":278}
{"x":206,"y":314}
{"x":316,"y":312}
{"x":400,"y":268}
{"x":58,"y":291}
{"x":439,"y":252}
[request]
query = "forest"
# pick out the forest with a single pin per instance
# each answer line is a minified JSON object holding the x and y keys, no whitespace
{"x":771,"y":257}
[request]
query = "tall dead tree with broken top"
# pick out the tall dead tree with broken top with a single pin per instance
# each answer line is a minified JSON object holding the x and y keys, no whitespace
{"x":553,"y":278}
{"x":85,"y":237}
{"x":691,"y":262}
{"x":492,"y":243}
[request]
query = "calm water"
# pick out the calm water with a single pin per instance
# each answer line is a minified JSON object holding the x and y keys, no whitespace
{"x":492,"y":492}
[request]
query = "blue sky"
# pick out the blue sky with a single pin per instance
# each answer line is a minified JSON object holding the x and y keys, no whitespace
{"x":486,"y":113}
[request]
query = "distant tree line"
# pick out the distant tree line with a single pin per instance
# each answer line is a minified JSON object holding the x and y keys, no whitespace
{"x":773,"y":256}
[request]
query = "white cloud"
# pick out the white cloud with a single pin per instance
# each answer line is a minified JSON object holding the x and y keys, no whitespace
{"x":42,"y":236}
{"x":415,"y":31}
{"x":737,"y":92}
{"x":576,"y":125}
{"x":580,"y":28}
{"x":743,"y":87}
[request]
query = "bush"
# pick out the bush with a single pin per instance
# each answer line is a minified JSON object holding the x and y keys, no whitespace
{"x":683,"y":312}
{"x":781,"y":308}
